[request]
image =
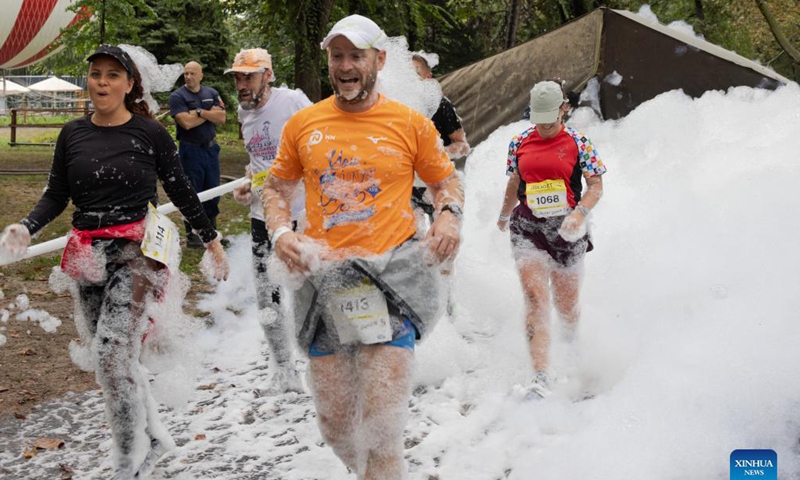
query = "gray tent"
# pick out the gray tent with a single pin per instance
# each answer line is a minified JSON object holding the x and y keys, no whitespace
{"x":649,"y":57}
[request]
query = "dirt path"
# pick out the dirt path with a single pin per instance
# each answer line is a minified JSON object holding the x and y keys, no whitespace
{"x":35,"y":365}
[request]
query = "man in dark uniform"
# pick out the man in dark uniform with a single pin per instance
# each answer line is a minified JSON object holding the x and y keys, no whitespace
{"x":197,"y":109}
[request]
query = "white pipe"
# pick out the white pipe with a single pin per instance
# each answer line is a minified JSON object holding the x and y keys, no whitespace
{"x":166,"y":209}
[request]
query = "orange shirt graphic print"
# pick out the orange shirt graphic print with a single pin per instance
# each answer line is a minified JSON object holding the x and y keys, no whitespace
{"x":347,"y":190}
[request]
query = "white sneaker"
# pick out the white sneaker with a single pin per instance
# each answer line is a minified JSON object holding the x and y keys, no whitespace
{"x":120,"y":475}
{"x":539,"y":388}
{"x":157,"y":450}
{"x":284,"y":380}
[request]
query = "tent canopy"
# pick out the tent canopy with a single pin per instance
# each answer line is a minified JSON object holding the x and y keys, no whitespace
{"x":54,"y":84}
{"x":7,"y":87}
{"x":649,"y":59}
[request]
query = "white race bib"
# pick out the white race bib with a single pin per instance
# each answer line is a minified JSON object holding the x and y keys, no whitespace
{"x":361,"y":314}
{"x":547,"y":198}
{"x":159,"y":235}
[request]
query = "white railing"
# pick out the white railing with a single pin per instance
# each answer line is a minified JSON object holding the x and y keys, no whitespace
{"x":167,"y":208}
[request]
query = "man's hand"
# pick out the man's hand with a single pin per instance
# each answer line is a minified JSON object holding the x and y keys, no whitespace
{"x":444,"y":237}
{"x":298,"y":252}
{"x":243,"y":194}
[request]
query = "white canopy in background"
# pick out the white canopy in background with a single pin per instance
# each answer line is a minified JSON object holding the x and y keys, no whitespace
{"x":7,"y":87}
{"x":55,"y":84}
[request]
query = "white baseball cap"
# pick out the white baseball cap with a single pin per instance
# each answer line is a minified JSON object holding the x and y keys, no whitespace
{"x":361,"y":31}
{"x":546,"y":100}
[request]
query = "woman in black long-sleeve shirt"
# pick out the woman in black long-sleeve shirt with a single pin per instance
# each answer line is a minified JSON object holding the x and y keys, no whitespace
{"x":107,"y":164}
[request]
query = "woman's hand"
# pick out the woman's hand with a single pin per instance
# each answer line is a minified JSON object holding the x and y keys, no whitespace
{"x":502,"y":224}
{"x":14,"y":242}
{"x":573,"y":228}
{"x":215,"y":261}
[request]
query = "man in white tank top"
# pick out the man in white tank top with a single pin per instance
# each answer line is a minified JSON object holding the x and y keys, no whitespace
{"x":263,"y":110}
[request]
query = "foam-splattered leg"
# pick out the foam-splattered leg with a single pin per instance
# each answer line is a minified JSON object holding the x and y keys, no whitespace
{"x":274,"y":324}
{"x":118,"y":344}
{"x":130,"y":409}
{"x":334,"y":383}
{"x":385,"y":376}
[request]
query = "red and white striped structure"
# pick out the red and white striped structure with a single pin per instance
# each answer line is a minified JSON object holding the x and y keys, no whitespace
{"x":29,"y":27}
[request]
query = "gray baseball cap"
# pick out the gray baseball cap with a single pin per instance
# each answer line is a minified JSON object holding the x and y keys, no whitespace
{"x":546,"y":100}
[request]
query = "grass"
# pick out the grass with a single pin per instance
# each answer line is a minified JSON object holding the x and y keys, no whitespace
{"x":33,"y":119}
{"x":233,"y":220}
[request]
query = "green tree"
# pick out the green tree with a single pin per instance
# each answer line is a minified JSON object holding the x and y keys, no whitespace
{"x":300,"y":24}
{"x":175,"y":31}
{"x":188,"y":30}
{"x":122,"y":19}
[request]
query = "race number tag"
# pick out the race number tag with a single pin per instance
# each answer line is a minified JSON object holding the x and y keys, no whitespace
{"x":159,"y":235}
{"x":258,"y":181}
{"x":361,"y":315}
{"x":547,"y":198}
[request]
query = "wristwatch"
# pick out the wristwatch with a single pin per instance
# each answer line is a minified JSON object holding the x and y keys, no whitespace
{"x":198,"y":112}
{"x":454,"y":209}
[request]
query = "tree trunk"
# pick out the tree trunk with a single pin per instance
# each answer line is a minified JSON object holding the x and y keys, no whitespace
{"x":579,"y":7}
{"x":103,"y":22}
{"x":698,"y":9}
{"x":513,"y":22}
{"x":312,"y":20}
{"x":777,"y":32}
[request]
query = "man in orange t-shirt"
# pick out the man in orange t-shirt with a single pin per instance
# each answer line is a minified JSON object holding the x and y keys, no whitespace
{"x":356,"y":154}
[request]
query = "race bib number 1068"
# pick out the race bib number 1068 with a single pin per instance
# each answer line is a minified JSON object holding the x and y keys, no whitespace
{"x":547,"y":198}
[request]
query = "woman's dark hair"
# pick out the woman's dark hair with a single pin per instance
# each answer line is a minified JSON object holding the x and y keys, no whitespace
{"x":134,"y":100}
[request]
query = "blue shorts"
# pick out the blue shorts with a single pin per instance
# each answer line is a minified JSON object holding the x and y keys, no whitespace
{"x":406,"y":337}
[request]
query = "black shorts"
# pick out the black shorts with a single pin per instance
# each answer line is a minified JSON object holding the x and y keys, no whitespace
{"x":529,"y":232}
{"x":418,"y":200}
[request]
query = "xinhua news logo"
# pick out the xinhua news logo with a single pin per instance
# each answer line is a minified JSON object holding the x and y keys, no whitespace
{"x":754,"y":464}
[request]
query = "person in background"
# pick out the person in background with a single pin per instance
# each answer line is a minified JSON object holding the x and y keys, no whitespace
{"x":263,"y":110}
{"x":446,"y":120}
{"x":547,"y":212}
{"x":197,"y":109}
{"x":370,"y":288}
{"x":573,"y":101}
{"x":454,"y":139}
{"x":108,"y":164}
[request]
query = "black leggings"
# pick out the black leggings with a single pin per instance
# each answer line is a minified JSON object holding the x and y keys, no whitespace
{"x":114,"y":313}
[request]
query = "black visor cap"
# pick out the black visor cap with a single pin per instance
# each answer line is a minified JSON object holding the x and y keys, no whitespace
{"x":116,"y":53}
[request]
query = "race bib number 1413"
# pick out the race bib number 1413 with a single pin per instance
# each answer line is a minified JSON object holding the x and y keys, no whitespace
{"x":361,"y":314}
